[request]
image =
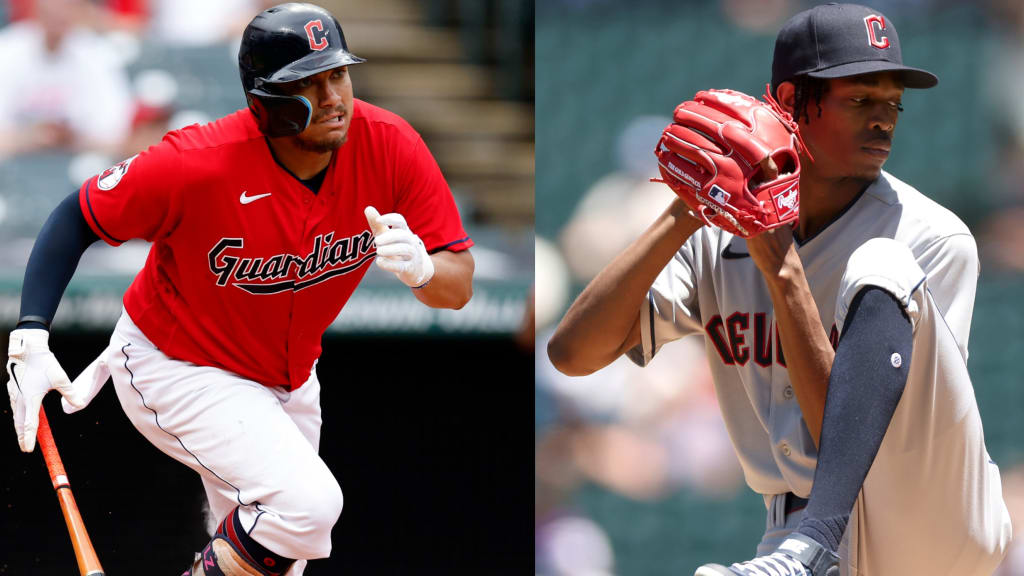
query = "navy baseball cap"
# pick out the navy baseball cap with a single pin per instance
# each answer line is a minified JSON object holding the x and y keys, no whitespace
{"x":839,"y":40}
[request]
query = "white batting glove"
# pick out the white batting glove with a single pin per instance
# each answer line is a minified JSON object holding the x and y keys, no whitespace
{"x":399,"y":250}
{"x":32,"y":371}
{"x":88,"y":384}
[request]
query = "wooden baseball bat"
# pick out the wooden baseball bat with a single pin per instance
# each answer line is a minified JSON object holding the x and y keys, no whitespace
{"x":88,"y":563}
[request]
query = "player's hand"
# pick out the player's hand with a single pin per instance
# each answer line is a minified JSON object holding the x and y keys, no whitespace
{"x":88,"y":384}
{"x":774,"y":252}
{"x":32,"y":371}
{"x":399,"y":251}
{"x":770,"y":250}
{"x":685,"y":218}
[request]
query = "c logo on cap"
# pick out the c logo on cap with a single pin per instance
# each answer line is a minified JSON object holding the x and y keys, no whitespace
{"x":318,"y":36}
{"x":873,"y":38}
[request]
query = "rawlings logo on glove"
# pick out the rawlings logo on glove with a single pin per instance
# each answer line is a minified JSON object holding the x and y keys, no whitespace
{"x":734,"y":160}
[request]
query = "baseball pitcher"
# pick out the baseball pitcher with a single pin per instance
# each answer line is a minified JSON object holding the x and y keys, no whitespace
{"x":836,"y":322}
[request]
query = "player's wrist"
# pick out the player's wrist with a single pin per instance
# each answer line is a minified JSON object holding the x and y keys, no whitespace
{"x":23,"y":341}
{"x":687,"y":223}
{"x":775,"y":270}
{"x":678,"y":221}
{"x":30,"y":322}
{"x":426,"y":272}
{"x":784,"y":278}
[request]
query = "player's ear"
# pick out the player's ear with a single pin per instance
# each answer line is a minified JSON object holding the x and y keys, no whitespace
{"x":785,"y":94}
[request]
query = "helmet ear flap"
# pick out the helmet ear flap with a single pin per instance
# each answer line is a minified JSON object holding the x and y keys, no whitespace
{"x":259,"y":111}
{"x":279,"y":115}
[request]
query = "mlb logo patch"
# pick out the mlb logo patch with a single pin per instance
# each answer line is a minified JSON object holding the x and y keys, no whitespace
{"x":718,"y":195}
{"x":787,"y":201}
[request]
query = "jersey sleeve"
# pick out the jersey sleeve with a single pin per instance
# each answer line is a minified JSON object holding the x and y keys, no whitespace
{"x":952,"y":266}
{"x":671,"y":310}
{"x":137,"y":198}
{"x":887,"y":264}
{"x":426,"y":202}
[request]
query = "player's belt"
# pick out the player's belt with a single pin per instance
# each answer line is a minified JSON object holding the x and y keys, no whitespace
{"x":794,"y":503}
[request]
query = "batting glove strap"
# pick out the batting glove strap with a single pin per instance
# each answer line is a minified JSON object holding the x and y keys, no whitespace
{"x":25,"y":341}
{"x":30,"y":319}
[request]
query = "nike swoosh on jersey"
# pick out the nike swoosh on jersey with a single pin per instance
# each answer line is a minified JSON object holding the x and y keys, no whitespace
{"x":728,"y":254}
{"x":247,"y":199}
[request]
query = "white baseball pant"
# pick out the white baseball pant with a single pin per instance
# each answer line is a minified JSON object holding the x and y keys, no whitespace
{"x":254,"y":447}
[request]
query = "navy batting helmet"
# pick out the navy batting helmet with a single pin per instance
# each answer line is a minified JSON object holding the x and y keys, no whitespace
{"x":282,"y":44}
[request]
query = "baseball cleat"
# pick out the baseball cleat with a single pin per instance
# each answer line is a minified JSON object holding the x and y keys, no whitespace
{"x":797,"y":556}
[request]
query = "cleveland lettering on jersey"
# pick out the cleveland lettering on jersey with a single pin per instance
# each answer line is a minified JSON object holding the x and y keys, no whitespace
{"x":729,"y":337}
{"x":328,"y":259}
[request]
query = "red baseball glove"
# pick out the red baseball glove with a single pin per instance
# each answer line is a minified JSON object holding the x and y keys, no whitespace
{"x":717,"y":156}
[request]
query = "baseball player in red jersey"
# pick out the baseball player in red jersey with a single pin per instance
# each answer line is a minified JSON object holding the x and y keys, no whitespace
{"x":262,"y":223}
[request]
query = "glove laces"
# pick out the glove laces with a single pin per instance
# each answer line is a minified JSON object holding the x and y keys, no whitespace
{"x":775,"y":564}
{"x":787,"y":119}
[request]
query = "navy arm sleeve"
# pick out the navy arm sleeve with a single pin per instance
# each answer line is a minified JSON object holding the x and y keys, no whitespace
{"x":868,"y":376}
{"x":53,"y":261}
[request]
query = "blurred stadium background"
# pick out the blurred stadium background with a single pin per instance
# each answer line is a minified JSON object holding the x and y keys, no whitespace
{"x":634,"y":473}
{"x":428,"y":484}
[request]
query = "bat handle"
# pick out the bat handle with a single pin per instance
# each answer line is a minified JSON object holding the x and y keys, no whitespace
{"x":88,"y":562}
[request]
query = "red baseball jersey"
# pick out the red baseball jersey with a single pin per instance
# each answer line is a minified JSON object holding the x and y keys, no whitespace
{"x":248,"y":267}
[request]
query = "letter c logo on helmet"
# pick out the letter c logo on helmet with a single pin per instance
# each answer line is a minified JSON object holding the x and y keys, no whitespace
{"x":316,"y":34}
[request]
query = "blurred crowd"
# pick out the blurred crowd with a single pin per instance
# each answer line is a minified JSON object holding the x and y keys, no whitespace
{"x":644,"y":434}
{"x":103,"y":79}
{"x":66,"y":62}
{"x":88,"y":83}
{"x":1002,"y":235}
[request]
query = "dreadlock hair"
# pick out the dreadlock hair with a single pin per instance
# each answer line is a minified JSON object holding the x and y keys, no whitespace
{"x":806,"y":89}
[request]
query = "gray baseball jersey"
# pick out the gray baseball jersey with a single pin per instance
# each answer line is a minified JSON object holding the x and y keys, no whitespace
{"x":713,"y":287}
{"x":932,"y":502}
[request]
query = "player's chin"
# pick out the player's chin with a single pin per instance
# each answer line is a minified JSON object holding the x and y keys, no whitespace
{"x":335,"y":135}
{"x":334,"y":140}
{"x":328,"y":142}
{"x":867,"y":173}
{"x":869,"y":170}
